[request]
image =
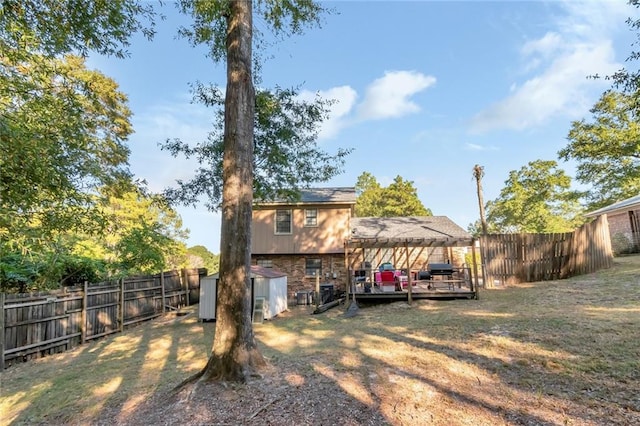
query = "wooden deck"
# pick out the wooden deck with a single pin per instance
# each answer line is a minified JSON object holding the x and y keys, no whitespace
{"x":425,"y":289}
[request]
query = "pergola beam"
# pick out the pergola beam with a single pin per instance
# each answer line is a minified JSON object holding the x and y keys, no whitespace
{"x":378,"y":243}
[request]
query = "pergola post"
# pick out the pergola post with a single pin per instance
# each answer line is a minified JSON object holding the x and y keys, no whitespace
{"x":409,"y":283}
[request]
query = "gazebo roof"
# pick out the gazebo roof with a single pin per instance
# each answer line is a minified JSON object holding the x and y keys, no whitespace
{"x":416,"y":231}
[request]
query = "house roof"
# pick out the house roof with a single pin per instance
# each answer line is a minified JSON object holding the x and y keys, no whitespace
{"x":337,"y":195}
{"x":424,"y":231}
{"x":616,"y":207}
{"x":260,"y":271}
{"x":266,"y":272}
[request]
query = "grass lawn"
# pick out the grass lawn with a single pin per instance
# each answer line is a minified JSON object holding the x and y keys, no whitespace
{"x":558,"y":352}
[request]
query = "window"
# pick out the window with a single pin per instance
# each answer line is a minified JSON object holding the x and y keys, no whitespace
{"x":311,"y":217}
{"x":265,"y":263}
{"x":283,"y":221}
{"x":313,"y":267}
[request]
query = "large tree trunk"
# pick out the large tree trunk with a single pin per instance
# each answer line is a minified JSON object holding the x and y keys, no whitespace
{"x":235,"y":354}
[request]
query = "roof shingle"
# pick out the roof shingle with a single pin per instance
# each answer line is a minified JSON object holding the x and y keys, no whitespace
{"x":416,"y":227}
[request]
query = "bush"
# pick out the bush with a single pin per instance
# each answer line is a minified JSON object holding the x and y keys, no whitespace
{"x":23,"y":274}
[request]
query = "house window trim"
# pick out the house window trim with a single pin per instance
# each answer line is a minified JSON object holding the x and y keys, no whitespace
{"x":314,"y":225}
{"x":275,"y":222}
{"x":306,"y":274}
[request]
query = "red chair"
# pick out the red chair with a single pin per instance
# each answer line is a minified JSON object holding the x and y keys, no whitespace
{"x":387,"y":281}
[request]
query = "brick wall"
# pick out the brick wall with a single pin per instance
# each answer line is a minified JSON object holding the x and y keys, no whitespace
{"x":333,"y":264}
{"x":622,"y":238}
{"x":294,"y":267}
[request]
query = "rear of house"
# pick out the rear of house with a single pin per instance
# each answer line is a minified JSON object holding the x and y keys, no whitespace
{"x":305,"y":238}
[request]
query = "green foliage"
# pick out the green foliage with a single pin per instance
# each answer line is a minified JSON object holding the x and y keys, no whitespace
{"x":54,"y":27}
{"x":536,"y":199}
{"x":625,"y":79}
{"x":143,"y":235}
{"x":62,"y":133}
{"x":140,"y":250}
{"x":286,"y":154}
{"x":400,"y":198}
{"x":140,"y":233}
{"x":201,"y":257}
{"x":281,"y":18}
{"x":475,"y":228}
{"x":48,"y":270}
{"x":607,"y":150}
{"x":62,"y":126}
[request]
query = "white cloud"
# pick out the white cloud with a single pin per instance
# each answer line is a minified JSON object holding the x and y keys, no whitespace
{"x":579,"y":46}
{"x":476,"y":147}
{"x":344,"y":99}
{"x":389,"y":96}
{"x":385,"y":98}
{"x":560,"y":90}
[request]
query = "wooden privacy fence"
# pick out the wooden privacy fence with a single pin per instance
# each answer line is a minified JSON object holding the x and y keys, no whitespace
{"x":45,"y":323}
{"x":517,"y":258}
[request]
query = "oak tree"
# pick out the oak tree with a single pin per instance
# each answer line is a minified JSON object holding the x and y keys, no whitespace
{"x":606,"y":150}
{"x":400,"y":198}
{"x":63,"y":127}
{"x":537,"y":198}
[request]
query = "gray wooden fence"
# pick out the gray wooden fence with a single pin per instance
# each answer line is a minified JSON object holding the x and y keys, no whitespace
{"x":36,"y":324}
{"x":518,"y":258}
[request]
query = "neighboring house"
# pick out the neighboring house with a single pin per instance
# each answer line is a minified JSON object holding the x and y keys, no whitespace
{"x":624,"y":224}
{"x":307,"y":239}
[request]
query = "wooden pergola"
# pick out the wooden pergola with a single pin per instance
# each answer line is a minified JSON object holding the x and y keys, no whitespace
{"x":407,"y":238}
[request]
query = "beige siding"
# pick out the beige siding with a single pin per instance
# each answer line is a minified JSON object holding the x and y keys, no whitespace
{"x":327,"y":237}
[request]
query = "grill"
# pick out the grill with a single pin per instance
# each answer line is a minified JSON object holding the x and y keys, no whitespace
{"x":424,"y":275}
{"x":440,"y":269}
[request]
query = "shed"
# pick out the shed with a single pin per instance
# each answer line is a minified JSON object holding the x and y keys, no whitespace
{"x":267,"y":285}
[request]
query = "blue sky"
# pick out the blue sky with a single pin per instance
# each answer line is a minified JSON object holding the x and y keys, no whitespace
{"x":424,"y":90}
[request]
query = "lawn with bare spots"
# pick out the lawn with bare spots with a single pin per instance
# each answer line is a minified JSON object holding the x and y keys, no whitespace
{"x":549,"y":353}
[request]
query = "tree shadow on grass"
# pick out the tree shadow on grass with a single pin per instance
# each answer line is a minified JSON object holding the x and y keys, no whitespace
{"x":323,"y":370}
{"x":103,"y":379}
{"x":313,"y":384}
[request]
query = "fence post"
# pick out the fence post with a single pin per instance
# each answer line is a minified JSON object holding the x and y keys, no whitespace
{"x":185,"y":285}
{"x":474,"y":274}
{"x":2,"y":333}
{"x":186,"y":276}
{"x":164,"y":305}
{"x":83,"y":324}
{"x":121,"y":316}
